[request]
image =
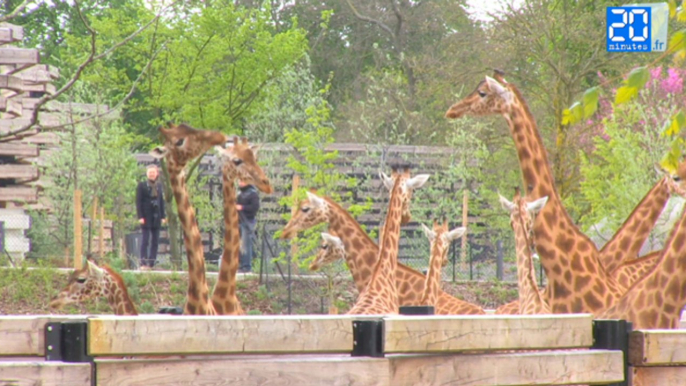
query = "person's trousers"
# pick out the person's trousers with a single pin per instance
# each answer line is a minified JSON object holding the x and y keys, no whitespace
{"x":247,"y":230}
{"x":149,"y":244}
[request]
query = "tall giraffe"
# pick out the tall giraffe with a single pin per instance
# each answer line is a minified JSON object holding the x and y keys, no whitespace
{"x":91,"y":282}
{"x":183,"y":143}
{"x":522,"y":213}
{"x":361,"y":254}
{"x":656,"y":300}
{"x":577,"y":281}
{"x":380,"y":296}
{"x":331,"y":249}
{"x":239,"y":161}
{"x":439,"y":243}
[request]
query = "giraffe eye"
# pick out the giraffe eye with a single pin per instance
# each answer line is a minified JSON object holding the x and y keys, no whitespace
{"x":81,"y":280}
{"x":237,"y":161}
{"x":179,"y":143}
{"x":325,"y":246}
{"x":482,"y":94}
{"x":677,"y":178}
{"x":305,"y":209}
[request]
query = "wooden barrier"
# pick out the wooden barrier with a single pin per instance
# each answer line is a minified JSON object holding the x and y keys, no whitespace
{"x":657,"y":357}
{"x":45,"y":373}
{"x":23,"y":336}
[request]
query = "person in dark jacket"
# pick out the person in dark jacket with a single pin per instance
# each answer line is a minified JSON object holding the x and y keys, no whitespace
{"x":247,"y":204}
{"x":151,"y":216}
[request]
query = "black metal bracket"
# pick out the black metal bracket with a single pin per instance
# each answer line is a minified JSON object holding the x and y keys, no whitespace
{"x":67,"y":341}
{"x":368,"y":338}
{"x":613,"y":334}
{"x":417,"y":310}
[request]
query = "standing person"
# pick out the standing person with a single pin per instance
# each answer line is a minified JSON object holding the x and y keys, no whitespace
{"x":247,"y":204}
{"x":151,"y":215}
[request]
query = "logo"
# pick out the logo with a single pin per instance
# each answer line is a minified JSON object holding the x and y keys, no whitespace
{"x":637,"y":28}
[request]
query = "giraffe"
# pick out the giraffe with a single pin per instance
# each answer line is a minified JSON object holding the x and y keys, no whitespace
{"x":330,"y":250}
{"x":439,"y":243}
{"x":183,"y":143}
{"x":656,"y":300}
{"x":380,"y":296}
{"x":361,"y":254}
{"x":91,"y":282}
{"x":522,"y":213}
{"x":239,"y":161}
{"x":577,"y":281}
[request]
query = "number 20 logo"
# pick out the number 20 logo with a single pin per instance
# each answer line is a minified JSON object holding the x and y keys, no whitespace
{"x":629,"y":17}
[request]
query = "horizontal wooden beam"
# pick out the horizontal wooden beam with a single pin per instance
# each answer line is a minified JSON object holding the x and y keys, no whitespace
{"x":23,"y":56}
{"x":40,"y":73}
{"x":17,"y":31}
{"x":18,"y":171}
{"x":221,"y":334}
{"x":657,"y":347}
{"x":540,"y":368}
{"x":24,"y":335}
{"x":42,"y":138}
{"x":19,"y":149}
{"x":405,"y":334}
{"x":657,"y":376}
{"x":19,"y":194}
{"x":45,"y":373}
{"x":10,"y":105}
{"x":11,"y":82}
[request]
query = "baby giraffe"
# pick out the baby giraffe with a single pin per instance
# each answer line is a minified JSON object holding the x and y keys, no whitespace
{"x":522,"y":214}
{"x":92,"y":281}
{"x":439,"y":241}
{"x":330,"y":250}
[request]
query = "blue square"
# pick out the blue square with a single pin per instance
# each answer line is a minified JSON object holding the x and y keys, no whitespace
{"x":628,"y":29}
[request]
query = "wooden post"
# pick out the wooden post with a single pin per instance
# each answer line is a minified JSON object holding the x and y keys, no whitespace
{"x":94,"y":216}
{"x":101,"y":245}
{"x":294,"y":209}
{"x":465,"y":220}
{"x":78,"y":242}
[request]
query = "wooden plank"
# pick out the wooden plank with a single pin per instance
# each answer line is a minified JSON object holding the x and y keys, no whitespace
{"x":11,"y":82}
{"x":23,"y":335}
{"x":220,"y":334}
{"x":19,"y":149}
{"x":657,"y":347}
{"x":19,"y":193}
{"x":657,"y":376}
{"x":10,"y":105}
{"x":38,"y":74}
{"x":17,"y":30}
{"x":404,"y":334}
{"x":23,"y":56}
{"x":598,"y":367}
{"x":18,"y":171}
{"x":42,"y":138}
{"x":282,"y":371}
{"x":47,"y":88}
{"x":45,"y":374}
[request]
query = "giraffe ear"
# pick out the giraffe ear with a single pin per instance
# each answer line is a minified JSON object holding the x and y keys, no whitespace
{"x":329,"y":238}
{"x":536,"y":206}
{"x":387,"y":181}
{"x":315,"y":200}
{"x":454,"y":234}
{"x":506,"y":204}
{"x":159,"y":152}
{"x":255,"y":149}
{"x":497,"y":88}
{"x":430,"y":234}
{"x":417,"y":181}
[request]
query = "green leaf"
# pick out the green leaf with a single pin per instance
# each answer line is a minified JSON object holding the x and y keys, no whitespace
{"x":670,"y":161}
{"x":573,"y":114}
{"x":624,"y":94}
{"x":672,"y":8}
{"x":678,"y":41}
{"x":638,"y":77}
{"x":677,"y":123}
{"x":590,"y":100}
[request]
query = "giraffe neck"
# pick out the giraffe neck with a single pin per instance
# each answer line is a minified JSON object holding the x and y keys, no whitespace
{"x":197,"y":301}
{"x":117,"y":294}
{"x":224,"y":296}
{"x":530,"y":299}
{"x":627,"y":242}
{"x":381,"y":294}
{"x":657,"y":299}
{"x":432,"y":285}
{"x":563,"y":249}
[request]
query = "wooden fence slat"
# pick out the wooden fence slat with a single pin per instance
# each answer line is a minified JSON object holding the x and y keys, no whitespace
{"x":18,"y":171}
{"x":19,"y":193}
{"x":657,"y":376}
{"x":24,"y":56}
{"x":657,"y":347}
{"x":405,"y":334}
{"x":221,"y":334}
{"x":45,"y":373}
{"x":19,"y":149}
{"x":23,"y":335}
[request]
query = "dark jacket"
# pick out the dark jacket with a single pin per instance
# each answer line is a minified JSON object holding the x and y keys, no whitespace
{"x":145,"y":207}
{"x":250,"y":200}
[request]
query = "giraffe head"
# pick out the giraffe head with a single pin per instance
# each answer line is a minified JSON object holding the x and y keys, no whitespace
{"x":240,"y":161}
{"x":312,"y":211}
{"x":440,"y":238}
{"x":489,"y":97}
{"x":408,"y":185}
{"x":183,"y":143}
{"x":86,"y":283}
{"x":521,"y":210}
{"x":330,"y":250}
